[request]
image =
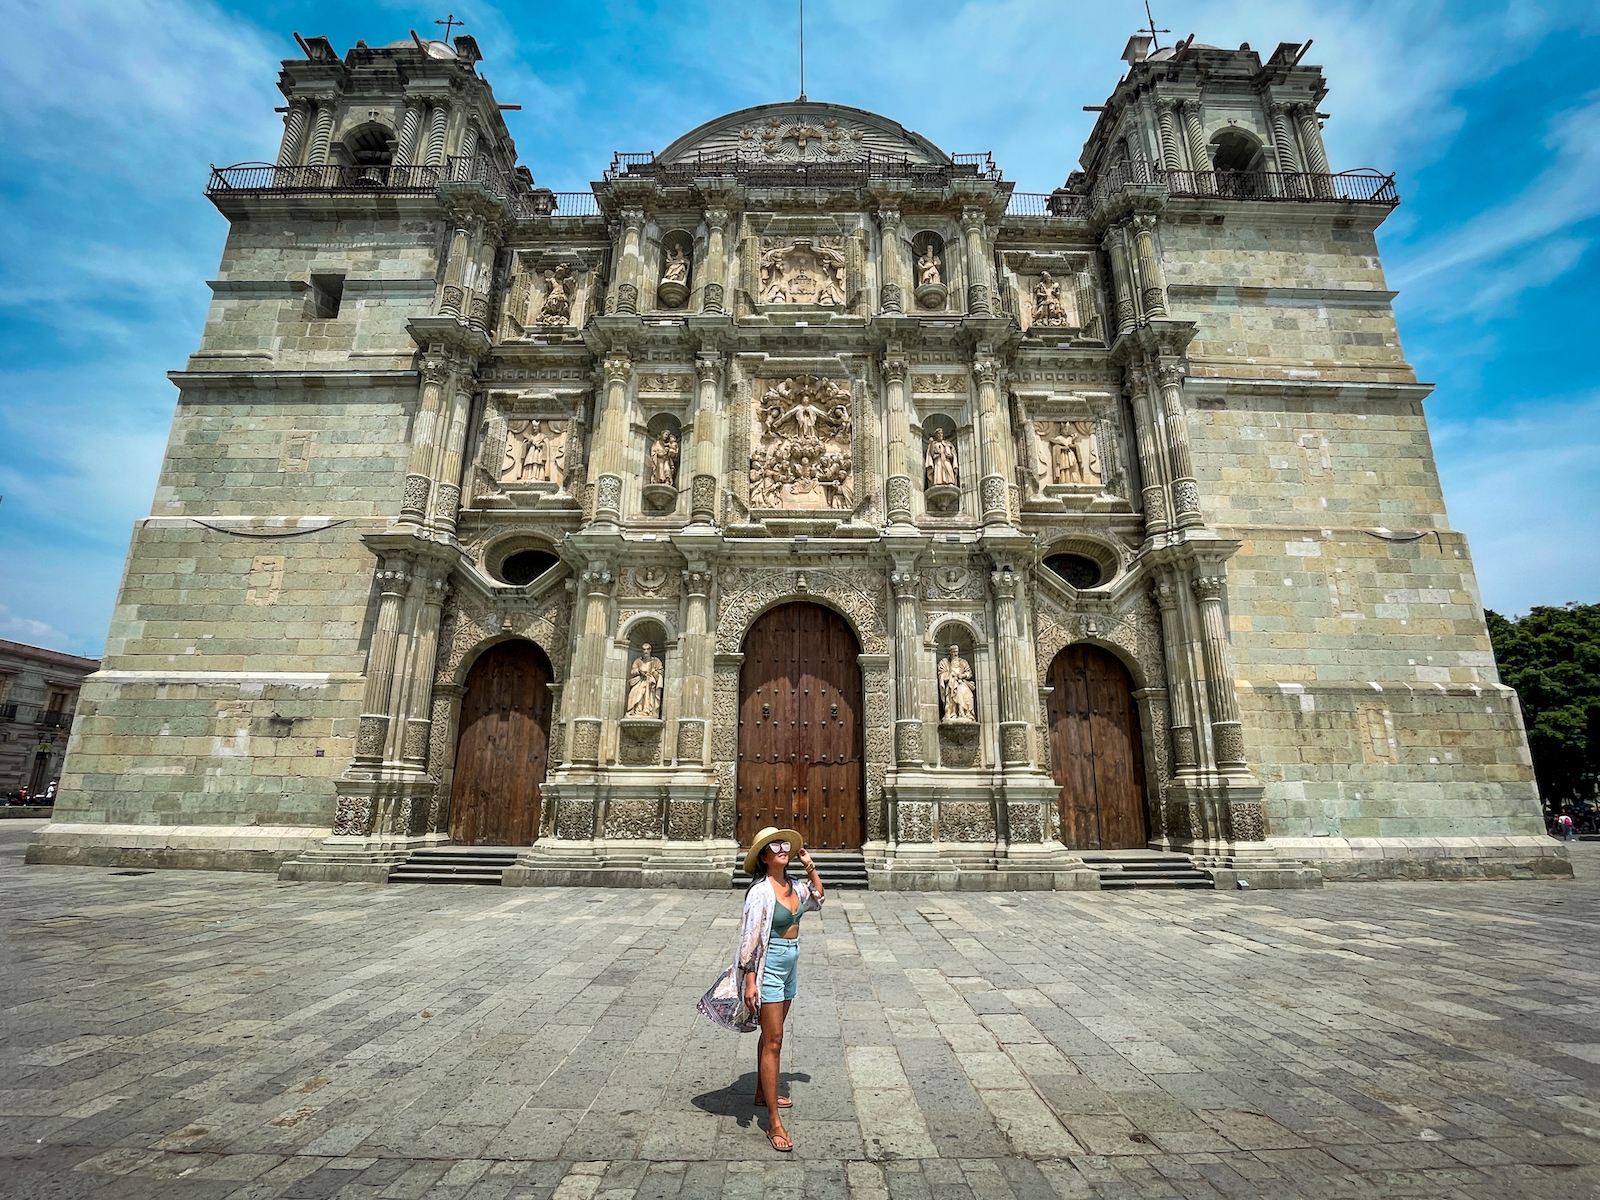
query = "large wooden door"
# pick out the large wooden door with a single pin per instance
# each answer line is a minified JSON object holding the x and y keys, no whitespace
{"x":501,"y":750}
{"x":800,"y":728}
{"x":1097,"y":751}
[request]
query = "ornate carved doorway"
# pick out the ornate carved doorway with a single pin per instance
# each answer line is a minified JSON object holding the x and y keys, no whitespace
{"x":501,"y":749}
{"x":1097,"y":751}
{"x":800,"y":728}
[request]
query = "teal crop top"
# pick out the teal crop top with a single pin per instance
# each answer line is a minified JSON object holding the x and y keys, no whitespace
{"x":782,"y":918}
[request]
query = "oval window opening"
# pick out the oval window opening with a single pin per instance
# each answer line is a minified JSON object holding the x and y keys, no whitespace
{"x":525,"y":566}
{"x":1077,"y":570}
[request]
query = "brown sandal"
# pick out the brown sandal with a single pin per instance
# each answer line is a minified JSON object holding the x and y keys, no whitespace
{"x":773,"y":1136}
{"x":783,"y":1102}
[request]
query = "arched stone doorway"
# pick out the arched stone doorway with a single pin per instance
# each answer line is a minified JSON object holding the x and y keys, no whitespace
{"x":502,"y":748}
{"x":800,"y":728}
{"x":1097,"y":750}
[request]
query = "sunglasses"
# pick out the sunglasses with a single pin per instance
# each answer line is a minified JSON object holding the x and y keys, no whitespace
{"x":779,"y":847}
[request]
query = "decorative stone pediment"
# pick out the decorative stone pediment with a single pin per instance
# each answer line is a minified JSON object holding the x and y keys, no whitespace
{"x":794,"y":133}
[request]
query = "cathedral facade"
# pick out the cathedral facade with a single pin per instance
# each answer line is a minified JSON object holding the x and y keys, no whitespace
{"x":801,"y":473}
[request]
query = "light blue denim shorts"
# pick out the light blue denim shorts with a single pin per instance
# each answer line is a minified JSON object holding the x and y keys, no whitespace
{"x":780,"y":978}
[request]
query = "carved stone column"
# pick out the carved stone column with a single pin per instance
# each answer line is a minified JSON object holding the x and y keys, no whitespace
{"x":394,"y":580}
{"x":711,"y":296}
{"x":698,"y":649}
{"x":1283,"y":138}
{"x":1311,"y":139}
{"x":901,"y":458}
{"x":703,"y":487}
{"x":469,"y":152}
{"x":1181,"y":719}
{"x":447,"y":481}
{"x":907,"y":725}
{"x":452,"y":301}
{"x":1127,"y":312}
{"x":630,"y":263}
{"x":1227,"y":732}
{"x":1152,"y":467}
{"x":892,"y":284}
{"x":438,"y":122}
{"x":977,"y":263}
{"x":1088,"y":306}
{"x":991,"y":443}
{"x":1199,"y":155}
{"x":418,"y":712}
{"x":583,"y":690}
{"x":1151,"y":277}
{"x":1167,"y":122}
{"x":1316,"y":155}
{"x":405,"y":151}
{"x":414,"y":503}
{"x":294,"y":133}
{"x":1015,"y":710}
{"x":610,"y":440}
{"x":321,"y":135}
{"x":1185,"y":492}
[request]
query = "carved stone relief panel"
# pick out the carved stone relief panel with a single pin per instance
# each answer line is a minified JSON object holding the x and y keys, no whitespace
{"x":801,"y":435}
{"x":797,"y":139}
{"x":535,"y":452}
{"x":803,"y":271}
{"x":1068,"y":453}
{"x":1048,"y":301}
{"x":939,"y":383}
{"x":859,"y":593}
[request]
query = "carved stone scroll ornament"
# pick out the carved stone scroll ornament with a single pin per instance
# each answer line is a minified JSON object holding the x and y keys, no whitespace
{"x":644,"y":685}
{"x":536,"y":452}
{"x":1071,"y":452}
{"x":957,"y":698}
{"x":803,"y":272}
{"x":800,"y":453}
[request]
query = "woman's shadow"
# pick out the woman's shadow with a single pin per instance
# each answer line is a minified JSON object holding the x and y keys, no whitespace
{"x":738,"y":1098}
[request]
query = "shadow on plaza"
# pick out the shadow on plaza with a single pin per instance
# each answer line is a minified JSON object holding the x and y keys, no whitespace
{"x":738,"y":1098}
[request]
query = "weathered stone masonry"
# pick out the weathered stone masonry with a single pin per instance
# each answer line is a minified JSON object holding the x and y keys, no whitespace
{"x":802,"y":355}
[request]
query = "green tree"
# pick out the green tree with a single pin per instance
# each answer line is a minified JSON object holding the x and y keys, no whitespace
{"x":1552,"y":658}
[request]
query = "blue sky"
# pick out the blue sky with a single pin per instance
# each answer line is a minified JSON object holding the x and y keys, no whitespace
{"x":1490,"y":114}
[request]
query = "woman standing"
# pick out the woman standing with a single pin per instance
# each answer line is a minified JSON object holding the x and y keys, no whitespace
{"x":756,"y":991}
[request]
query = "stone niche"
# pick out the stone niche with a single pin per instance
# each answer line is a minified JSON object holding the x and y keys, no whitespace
{"x":1071,"y":449}
{"x":941,"y":465}
{"x":930,"y":271}
{"x":956,"y":688}
{"x":801,"y":439}
{"x":643,"y":695}
{"x":663,"y":452}
{"x":677,"y":259}
{"x":549,"y":295}
{"x":1054,"y":295}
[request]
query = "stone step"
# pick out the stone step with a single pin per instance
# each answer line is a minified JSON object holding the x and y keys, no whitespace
{"x":1147,"y":869}
{"x":479,"y":865}
{"x":836,"y":869}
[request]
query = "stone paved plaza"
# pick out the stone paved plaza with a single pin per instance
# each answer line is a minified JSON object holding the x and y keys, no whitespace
{"x":190,"y":1034}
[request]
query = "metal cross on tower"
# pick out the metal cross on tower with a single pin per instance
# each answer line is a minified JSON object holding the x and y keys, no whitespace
{"x":1155,"y":42}
{"x":450,"y":19}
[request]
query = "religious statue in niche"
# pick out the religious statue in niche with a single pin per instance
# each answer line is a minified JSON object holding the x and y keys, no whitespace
{"x":803,"y":272}
{"x":664,"y":458}
{"x":940,"y":465}
{"x":1069,"y":452}
{"x":536,"y":452}
{"x":800,"y":445}
{"x":957,"y":701}
{"x":673,"y":289}
{"x":928,"y":266}
{"x":677,"y":268}
{"x":644,"y":685}
{"x":556,"y":307}
{"x":1049,"y":308}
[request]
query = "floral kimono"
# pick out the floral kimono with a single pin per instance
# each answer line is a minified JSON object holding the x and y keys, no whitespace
{"x":724,"y":1003}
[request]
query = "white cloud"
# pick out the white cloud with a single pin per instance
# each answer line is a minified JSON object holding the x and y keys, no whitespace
{"x":1524,"y":489}
{"x":34,"y":633}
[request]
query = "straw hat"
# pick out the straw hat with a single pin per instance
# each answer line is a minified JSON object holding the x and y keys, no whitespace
{"x":769,"y":834}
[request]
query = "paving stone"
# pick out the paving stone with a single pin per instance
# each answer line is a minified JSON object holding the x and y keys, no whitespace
{"x":186,"y":1035}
